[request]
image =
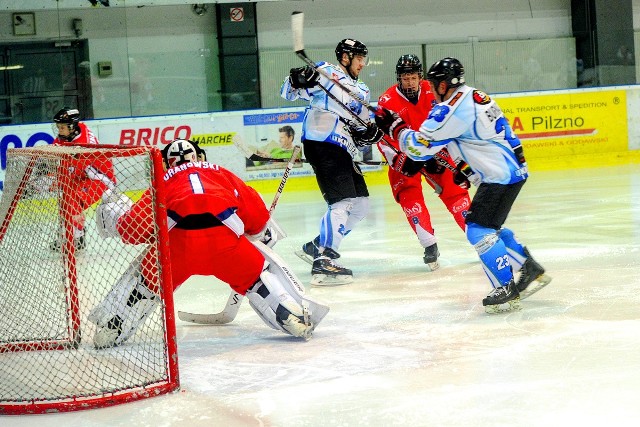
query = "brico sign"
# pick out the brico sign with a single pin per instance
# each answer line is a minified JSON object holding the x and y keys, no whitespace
{"x":154,"y":136}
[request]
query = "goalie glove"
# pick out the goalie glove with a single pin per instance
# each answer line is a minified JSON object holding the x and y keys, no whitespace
{"x":390,"y":122}
{"x":365,"y":136}
{"x":108,"y":213}
{"x":304,"y":77}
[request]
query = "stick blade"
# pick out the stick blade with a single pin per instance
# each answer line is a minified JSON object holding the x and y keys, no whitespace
{"x":297,"y":28}
{"x":204,"y":319}
{"x":225,"y":316}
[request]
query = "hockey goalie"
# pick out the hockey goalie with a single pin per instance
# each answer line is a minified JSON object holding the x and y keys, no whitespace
{"x":218,"y":226}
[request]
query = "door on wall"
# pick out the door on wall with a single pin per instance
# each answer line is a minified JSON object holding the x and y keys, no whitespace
{"x":40,"y":78}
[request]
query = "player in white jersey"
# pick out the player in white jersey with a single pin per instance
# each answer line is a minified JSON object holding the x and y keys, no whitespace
{"x":488,"y":153}
{"x":331,"y":138}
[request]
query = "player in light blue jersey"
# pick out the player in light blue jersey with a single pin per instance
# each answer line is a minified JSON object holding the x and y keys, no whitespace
{"x":487,"y":152}
{"x":335,"y":127}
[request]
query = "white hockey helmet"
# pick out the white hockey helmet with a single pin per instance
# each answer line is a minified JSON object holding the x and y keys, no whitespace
{"x":180,"y":151}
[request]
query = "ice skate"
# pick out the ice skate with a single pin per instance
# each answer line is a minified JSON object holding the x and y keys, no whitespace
{"x":502,"y":299}
{"x":532,"y":277}
{"x":293,"y":324}
{"x":124,"y":309}
{"x":431,"y":254}
{"x":119,"y":328}
{"x":309,"y":251}
{"x":326,"y":272}
{"x":78,"y":242}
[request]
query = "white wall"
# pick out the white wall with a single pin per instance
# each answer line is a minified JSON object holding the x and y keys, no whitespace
{"x":413,"y":21}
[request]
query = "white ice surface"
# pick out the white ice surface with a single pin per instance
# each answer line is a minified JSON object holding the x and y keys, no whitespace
{"x":405,"y":347}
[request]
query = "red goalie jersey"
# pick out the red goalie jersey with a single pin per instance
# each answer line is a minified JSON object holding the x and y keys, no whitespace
{"x":210,"y":209}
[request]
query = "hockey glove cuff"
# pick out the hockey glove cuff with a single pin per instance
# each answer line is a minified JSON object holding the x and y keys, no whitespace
{"x":390,"y":122}
{"x":367,"y":136}
{"x":462,"y":174}
{"x":519,"y":152}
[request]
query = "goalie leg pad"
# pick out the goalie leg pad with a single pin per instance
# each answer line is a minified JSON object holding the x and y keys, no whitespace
{"x":279,"y":298}
{"x":124,"y":309}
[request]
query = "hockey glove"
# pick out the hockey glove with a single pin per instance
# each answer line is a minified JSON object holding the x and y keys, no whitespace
{"x":434,"y":167}
{"x":304,"y":77}
{"x":108,"y":213}
{"x":390,"y":122}
{"x":406,"y":166}
{"x":366,"y":136}
{"x":519,"y":152}
{"x":462,"y":174}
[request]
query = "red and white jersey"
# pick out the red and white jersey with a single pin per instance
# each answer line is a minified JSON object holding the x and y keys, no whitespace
{"x":84,"y":170}
{"x":413,"y":114}
{"x":86,"y":136}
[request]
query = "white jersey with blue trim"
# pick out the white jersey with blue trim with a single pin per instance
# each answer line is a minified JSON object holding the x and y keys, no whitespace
{"x":325,"y":120}
{"x":475,"y":130}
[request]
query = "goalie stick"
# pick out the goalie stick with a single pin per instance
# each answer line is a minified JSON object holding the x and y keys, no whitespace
{"x":234,"y":301}
{"x":251,"y":154}
{"x":227,"y":314}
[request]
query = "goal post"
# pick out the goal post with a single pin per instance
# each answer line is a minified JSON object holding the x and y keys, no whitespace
{"x":51,"y":280}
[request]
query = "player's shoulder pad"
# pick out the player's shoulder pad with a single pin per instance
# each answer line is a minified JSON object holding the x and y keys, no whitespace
{"x":479,"y":97}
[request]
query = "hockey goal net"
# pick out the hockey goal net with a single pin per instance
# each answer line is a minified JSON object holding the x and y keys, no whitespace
{"x":50,"y":280}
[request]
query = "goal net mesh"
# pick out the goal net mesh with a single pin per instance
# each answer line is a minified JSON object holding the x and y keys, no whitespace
{"x":52,"y":276}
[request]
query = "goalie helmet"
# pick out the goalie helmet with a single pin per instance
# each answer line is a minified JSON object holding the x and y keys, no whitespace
{"x":352,"y":48}
{"x":409,"y":64}
{"x":181,"y":151}
{"x":71,"y":118}
{"x":448,"y":70}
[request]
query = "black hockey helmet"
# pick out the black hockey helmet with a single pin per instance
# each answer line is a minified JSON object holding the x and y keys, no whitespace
{"x":408,"y":64}
{"x":69,"y":117}
{"x":448,"y":70}
{"x":181,"y":151}
{"x":352,"y":48}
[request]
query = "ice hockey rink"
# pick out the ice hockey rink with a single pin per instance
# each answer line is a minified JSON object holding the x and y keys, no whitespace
{"x":402,"y":346}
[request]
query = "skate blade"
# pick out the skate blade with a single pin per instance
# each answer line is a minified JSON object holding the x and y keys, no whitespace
{"x":540,"y":282}
{"x":303,"y":256}
{"x":513,"y":305}
{"x":433,"y":266}
{"x":330,"y":280}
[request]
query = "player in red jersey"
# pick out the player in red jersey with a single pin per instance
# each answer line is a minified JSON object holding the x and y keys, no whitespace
{"x":211,"y":212}
{"x":412,"y":100}
{"x":82,"y":182}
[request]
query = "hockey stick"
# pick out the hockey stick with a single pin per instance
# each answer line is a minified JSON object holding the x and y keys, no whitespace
{"x":251,"y":154}
{"x":227,"y":314}
{"x":297,"y":29}
{"x":285,"y":177}
{"x":232,"y":306}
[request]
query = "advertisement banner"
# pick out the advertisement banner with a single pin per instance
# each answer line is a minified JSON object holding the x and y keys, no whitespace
{"x":569,"y":124}
{"x":550,"y":125}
